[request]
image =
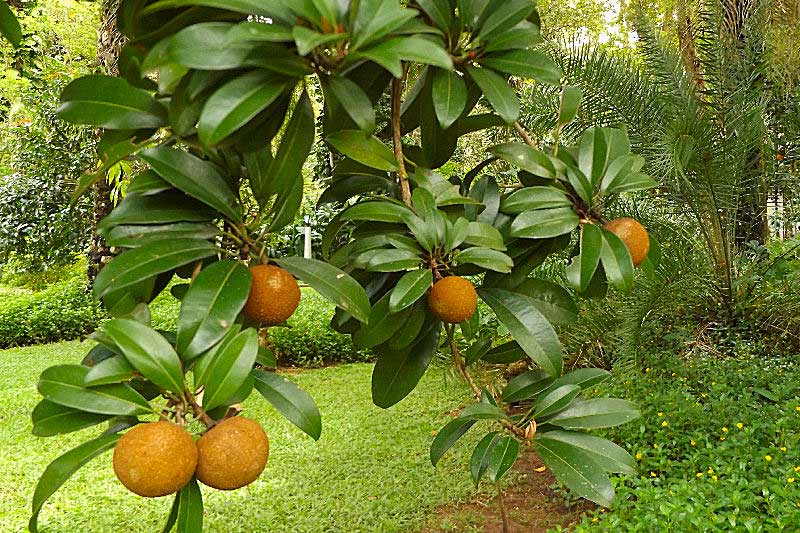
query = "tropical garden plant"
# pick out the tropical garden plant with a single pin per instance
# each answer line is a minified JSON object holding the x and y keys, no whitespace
{"x":215,"y":99}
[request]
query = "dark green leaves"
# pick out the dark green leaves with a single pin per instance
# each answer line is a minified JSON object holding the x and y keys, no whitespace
{"x":526,"y":386}
{"x":368,"y":151}
{"x":137,"y":265}
{"x":195,"y":177}
{"x":486,"y":258}
{"x":291,"y":401}
{"x":53,"y":419}
{"x":354,"y":101}
{"x":332,"y":283}
{"x":110,"y":103}
{"x":62,"y":468}
{"x":580,"y":272}
{"x":528,"y":326}
{"x":605,"y":453}
{"x":576,"y":469}
{"x":505,"y":451}
{"x":189,"y":516}
{"x":448,"y":436}
{"x":148,"y":351}
{"x":64,"y":385}
{"x":570,"y":102}
{"x":397,"y":372}
{"x":449,"y":94}
{"x":236,"y":103}
{"x":545,"y":223}
{"x":391,"y":53}
{"x":596,"y":413}
{"x":616,"y":261}
{"x":497,"y":91}
{"x":229,"y":368}
{"x":211,"y":306}
{"x":526,"y":64}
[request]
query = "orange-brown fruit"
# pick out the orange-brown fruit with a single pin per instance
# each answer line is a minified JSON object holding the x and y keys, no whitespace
{"x":274,"y":295}
{"x":452,"y":299}
{"x":232,"y":454}
{"x":155,"y":459}
{"x":633,"y":235}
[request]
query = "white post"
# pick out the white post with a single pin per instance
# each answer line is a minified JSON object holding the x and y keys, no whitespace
{"x":307,"y":248}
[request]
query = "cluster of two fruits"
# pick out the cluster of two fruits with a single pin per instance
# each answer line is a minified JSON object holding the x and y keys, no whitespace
{"x":160,"y":458}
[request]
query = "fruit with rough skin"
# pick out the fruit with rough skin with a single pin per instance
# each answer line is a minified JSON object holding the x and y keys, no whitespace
{"x":155,"y":459}
{"x":232,"y":454}
{"x":452,"y":299}
{"x":633,"y":234}
{"x":274,"y":295}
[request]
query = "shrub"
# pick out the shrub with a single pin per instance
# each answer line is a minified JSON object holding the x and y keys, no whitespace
{"x":15,"y":274}
{"x":65,"y":310}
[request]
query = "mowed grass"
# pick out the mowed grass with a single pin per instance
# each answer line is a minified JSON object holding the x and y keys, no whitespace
{"x":369,"y":472}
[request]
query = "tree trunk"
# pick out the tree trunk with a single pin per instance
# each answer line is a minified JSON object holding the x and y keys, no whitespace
{"x":109,"y":44}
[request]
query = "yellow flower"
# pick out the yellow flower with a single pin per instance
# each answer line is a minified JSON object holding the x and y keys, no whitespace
{"x":724,"y":430}
{"x":660,"y":414}
{"x":664,"y":423}
{"x":699,"y":474}
{"x":710,"y":470}
{"x":639,"y":455}
{"x":713,"y":382}
{"x":714,"y":478}
{"x":648,"y":370}
{"x":768,"y":458}
{"x":797,"y":408}
{"x":790,"y":479}
{"x":674,"y":374}
{"x":783,"y":448}
{"x":594,"y":519}
{"x":652,"y":474}
{"x":740,"y":425}
{"x":797,"y":469}
{"x":693,"y":442}
{"x":655,"y":446}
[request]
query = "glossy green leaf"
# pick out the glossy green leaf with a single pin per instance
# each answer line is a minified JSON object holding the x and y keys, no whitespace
{"x":115,"y":369}
{"x":496,"y":89}
{"x":331,"y":283}
{"x":189,"y":517}
{"x":605,"y":453}
{"x":285,"y":170}
{"x":376,"y":19}
{"x":526,"y":386}
{"x":486,"y":258}
{"x":291,"y":401}
{"x":582,"y":269}
{"x":260,"y":31}
{"x":410,"y":288}
{"x":526,"y":158}
{"x":576,"y":469}
{"x":545,"y":223}
{"x":162,"y":208}
{"x":377,"y":211}
{"x":555,"y":400}
{"x":571,"y":97}
{"x":528,"y":327}
{"x":210,"y":306}
{"x":503,"y":17}
{"x":523,"y":35}
{"x":51,"y":419}
{"x":230,"y":368}
{"x":110,"y":103}
{"x":526,"y":64}
{"x":411,"y":328}
{"x":275,"y":9}
{"x":449,"y":94}
{"x":60,"y":470}
{"x":596,"y":413}
{"x":353,"y":100}
{"x":134,"y":236}
{"x":148,"y":351}
{"x":308,"y":39}
{"x":63,"y":384}
{"x":447,"y":437}
{"x":484,"y":235}
{"x":9,"y":25}
{"x":505,"y":354}
{"x":551,"y":299}
{"x":139,"y":264}
{"x":195,"y":177}
{"x":397,"y":372}
{"x":440,"y":12}
{"x":392,"y":260}
{"x":367,"y":150}
{"x":482,"y":411}
{"x":504,"y":454}
{"x":381,"y":326}
{"x":616,"y":261}
{"x":391,"y":53}
{"x":237,"y":103}
{"x":479,"y":462}
{"x":582,"y":377}
{"x":533,"y":198}
{"x":476,"y":350}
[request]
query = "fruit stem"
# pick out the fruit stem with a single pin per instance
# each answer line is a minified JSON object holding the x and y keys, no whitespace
{"x":198,"y":411}
{"x":402,"y":174}
{"x":459,"y":361}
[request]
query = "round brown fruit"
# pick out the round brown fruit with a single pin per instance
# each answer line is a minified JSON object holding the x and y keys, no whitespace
{"x":633,"y":234}
{"x":232,"y":454}
{"x":155,"y":459}
{"x":274,"y":295}
{"x":452,"y":299}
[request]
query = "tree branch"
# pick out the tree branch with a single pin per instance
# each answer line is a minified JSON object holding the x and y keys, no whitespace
{"x":397,"y":93}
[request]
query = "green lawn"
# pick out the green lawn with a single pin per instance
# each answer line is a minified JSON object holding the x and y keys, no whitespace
{"x":369,"y":471}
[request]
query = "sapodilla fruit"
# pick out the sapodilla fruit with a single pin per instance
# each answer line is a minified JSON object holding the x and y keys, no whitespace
{"x":155,"y":459}
{"x":232,"y":454}
{"x":274,"y":295}
{"x":633,"y":234}
{"x":452,"y":299}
